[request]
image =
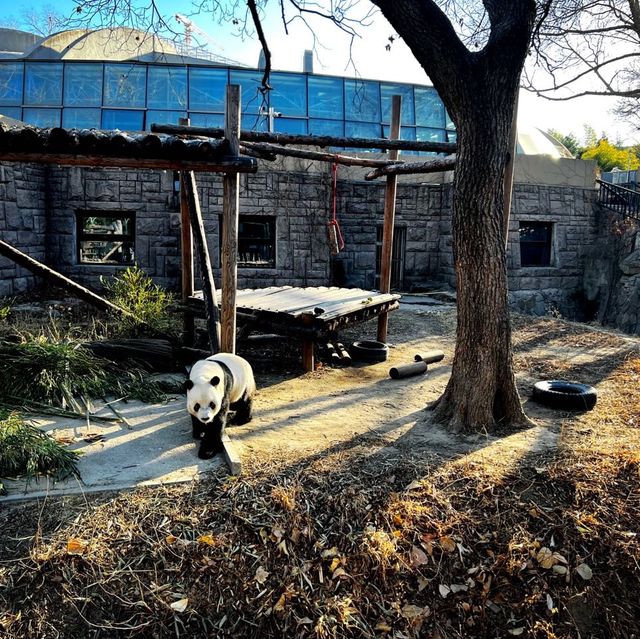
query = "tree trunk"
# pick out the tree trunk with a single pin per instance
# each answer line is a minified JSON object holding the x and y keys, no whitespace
{"x":481,"y":394}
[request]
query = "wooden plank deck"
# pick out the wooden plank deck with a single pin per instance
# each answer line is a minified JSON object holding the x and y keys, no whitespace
{"x":309,"y":313}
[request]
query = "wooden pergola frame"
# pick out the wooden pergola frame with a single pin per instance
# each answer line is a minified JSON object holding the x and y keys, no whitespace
{"x":192,"y":149}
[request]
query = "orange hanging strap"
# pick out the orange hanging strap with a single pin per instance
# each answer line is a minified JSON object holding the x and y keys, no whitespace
{"x":333,"y":224}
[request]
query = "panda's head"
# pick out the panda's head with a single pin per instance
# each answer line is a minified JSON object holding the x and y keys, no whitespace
{"x":205,"y":398}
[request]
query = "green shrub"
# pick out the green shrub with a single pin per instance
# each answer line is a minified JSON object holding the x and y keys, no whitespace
{"x":26,"y":450}
{"x":134,"y":291}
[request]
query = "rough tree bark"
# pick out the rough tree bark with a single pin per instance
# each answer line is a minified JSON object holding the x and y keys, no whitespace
{"x":478,"y":89}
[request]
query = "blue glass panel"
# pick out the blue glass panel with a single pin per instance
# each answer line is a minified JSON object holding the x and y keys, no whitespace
{"x":41,"y":117}
{"x":250,"y":83}
{"x":207,"y":119}
{"x":406,"y":132}
{"x":362,"y":100}
{"x":167,"y":87}
{"x":429,"y":107}
{"x":452,"y":136}
{"x":164,"y":117}
{"x":361,"y":130}
{"x":254,"y":123}
{"x":82,"y":84}
{"x":11,"y":112}
{"x":78,"y":118}
{"x":43,"y":83}
{"x":124,"y":85}
{"x":289,"y":94}
{"x":122,"y":119}
{"x":326,"y":127}
{"x":207,"y":89}
{"x":407,"y":111}
{"x":430,"y":135}
{"x":290,"y":125}
{"x":326,"y":99}
{"x":11,"y":82}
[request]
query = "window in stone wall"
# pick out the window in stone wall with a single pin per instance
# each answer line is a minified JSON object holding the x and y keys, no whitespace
{"x":535,"y":243}
{"x":256,"y":241}
{"x":106,"y":238}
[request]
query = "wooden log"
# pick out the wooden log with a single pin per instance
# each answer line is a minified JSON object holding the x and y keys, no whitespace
{"x":408,"y":370}
{"x":437,"y":165}
{"x":308,"y":359}
{"x":310,"y":140}
{"x":208,"y":284}
{"x":389,"y":219}
{"x":319,"y":156}
{"x":37,"y":268}
{"x":186,"y":242}
{"x":430,"y":357}
{"x":230,"y":216}
{"x":150,"y":145}
{"x":224,"y":165}
{"x":151,"y":354}
{"x":261,"y":155}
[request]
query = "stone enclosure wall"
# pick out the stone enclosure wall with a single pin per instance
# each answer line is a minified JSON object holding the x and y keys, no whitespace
{"x":23,"y":222}
{"x":38,"y":213}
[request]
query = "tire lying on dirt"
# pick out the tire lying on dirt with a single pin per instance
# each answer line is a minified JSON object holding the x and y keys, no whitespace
{"x":565,"y":395}
{"x":369,"y":351}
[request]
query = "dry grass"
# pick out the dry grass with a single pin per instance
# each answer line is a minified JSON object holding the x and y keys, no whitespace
{"x":360,"y":541}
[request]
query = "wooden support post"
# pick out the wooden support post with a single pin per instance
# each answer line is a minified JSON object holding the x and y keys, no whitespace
{"x":208,"y":284}
{"x":508,"y":171}
{"x":186,"y":248}
{"x":389,"y":218}
{"x":230,"y":212}
{"x":308,"y":360}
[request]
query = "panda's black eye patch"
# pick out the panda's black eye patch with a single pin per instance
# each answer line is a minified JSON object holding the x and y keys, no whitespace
{"x":212,"y":406}
{"x":215,"y":381}
{"x":196,"y":407}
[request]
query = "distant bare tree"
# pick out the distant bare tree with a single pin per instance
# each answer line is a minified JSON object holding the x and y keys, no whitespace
{"x":589,"y":47}
{"x":42,"y":21}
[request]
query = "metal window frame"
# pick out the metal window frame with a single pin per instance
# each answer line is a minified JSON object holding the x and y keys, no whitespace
{"x":82,"y":236}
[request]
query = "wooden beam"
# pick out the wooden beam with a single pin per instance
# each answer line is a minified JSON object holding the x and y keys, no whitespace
{"x":228,"y":165}
{"x":186,"y":237}
{"x":206,"y":272}
{"x":38,"y":268}
{"x":310,"y":140}
{"x":389,"y":218}
{"x":437,"y":165}
{"x":308,"y":359}
{"x":320,"y":156}
{"x":230,"y":213}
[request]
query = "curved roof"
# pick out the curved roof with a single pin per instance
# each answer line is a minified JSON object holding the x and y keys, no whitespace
{"x":534,"y":141}
{"x":115,"y":44}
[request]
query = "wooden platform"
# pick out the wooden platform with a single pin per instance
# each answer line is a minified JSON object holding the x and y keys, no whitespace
{"x":310,"y":314}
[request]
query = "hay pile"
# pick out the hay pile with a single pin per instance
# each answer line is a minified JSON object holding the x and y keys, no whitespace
{"x":26,"y":450}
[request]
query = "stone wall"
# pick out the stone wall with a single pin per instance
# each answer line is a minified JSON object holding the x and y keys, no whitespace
{"x":22,"y":222}
{"x":300,"y":201}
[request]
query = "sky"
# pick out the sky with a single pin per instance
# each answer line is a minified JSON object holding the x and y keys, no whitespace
{"x":370,"y":59}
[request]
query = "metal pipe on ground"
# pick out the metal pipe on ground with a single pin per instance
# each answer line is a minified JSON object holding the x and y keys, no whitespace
{"x":408,"y":370}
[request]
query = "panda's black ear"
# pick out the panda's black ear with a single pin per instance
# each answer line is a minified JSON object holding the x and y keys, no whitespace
{"x":188,"y":385}
{"x":215,"y":381}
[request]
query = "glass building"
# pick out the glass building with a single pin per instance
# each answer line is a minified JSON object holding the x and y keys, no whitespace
{"x":130,"y":95}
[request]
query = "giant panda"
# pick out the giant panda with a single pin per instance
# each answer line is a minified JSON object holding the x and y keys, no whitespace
{"x":217,"y":385}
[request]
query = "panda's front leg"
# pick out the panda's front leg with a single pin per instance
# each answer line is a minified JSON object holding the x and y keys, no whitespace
{"x":197,"y":428}
{"x":211,"y":443}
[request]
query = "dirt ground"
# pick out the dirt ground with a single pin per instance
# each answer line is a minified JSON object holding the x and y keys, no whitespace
{"x":302,"y":414}
{"x":358,"y":517}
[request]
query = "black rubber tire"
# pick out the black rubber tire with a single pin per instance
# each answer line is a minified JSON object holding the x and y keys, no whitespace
{"x":565,"y":395}
{"x":369,"y":351}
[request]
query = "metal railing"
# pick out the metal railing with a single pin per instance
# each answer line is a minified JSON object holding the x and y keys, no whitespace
{"x":619,"y":199}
